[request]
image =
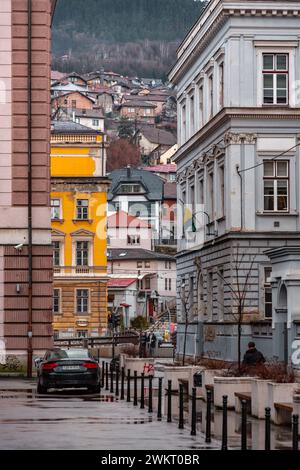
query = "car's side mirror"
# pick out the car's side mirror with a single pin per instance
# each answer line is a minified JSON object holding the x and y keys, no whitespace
{"x":37,"y":361}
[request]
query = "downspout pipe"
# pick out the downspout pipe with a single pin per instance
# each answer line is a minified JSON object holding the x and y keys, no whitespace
{"x":29,"y":194}
{"x":242,"y":197}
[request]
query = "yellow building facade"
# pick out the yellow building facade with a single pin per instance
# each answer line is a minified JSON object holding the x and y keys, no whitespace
{"x":78,"y":212}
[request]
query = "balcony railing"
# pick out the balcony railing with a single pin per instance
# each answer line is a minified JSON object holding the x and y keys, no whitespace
{"x":79,"y":271}
{"x":165,"y":241}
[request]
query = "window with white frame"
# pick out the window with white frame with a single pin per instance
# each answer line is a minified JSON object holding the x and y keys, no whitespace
{"x":56,"y":300}
{"x":275,"y":78}
{"x":267,"y":292}
{"x":55,"y":209}
{"x":82,"y":253}
{"x":56,"y":245}
{"x":192,"y":115}
{"x":82,"y":209}
{"x":276,"y":186}
{"x":183,"y":123}
{"x":221,"y":85}
{"x":201,"y":104}
{"x":130,"y":188}
{"x":222,"y":190}
{"x":211,"y":96}
{"x":95,"y":122}
{"x":210,"y":193}
{"x":133,"y":240}
{"x":82,"y":300}
{"x":81,"y":333}
{"x":192,"y":197}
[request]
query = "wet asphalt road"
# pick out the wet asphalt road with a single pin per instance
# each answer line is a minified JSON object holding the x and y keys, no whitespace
{"x":77,"y":421}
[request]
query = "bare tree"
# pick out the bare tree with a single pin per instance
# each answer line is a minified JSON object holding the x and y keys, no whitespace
{"x":184,"y":297}
{"x":239,"y":291}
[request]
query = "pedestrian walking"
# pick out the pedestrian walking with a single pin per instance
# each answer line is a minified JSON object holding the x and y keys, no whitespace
{"x":152,"y":345}
{"x":252,"y":356}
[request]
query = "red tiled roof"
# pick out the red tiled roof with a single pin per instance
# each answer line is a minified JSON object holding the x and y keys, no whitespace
{"x":170,"y":190}
{"x":120,"y":282}
{"x":168,"y":168}
{"x":123,"y":220}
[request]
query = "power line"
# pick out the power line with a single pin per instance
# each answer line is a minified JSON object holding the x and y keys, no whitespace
{"x":270,"y":160}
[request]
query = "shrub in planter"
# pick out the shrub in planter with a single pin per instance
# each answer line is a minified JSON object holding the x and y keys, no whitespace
{"x":275,"y":372}
{"x":271,"y":371}
{"x":212,"y":364}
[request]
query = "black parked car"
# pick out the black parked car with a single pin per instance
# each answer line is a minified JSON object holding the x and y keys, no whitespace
{"x":68,"y":368}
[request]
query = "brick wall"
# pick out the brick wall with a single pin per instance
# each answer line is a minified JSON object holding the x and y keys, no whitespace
{"x":14,"y":158}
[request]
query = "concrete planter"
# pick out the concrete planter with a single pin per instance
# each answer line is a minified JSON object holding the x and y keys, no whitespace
{"x":229,"y":386}
{"x":123,"y":358}
{"x":175,"y":374}
{"x":140,"y":365}
{"x":259,"y":397}
{"x":208,"y":377}
{"x":280,"y":393}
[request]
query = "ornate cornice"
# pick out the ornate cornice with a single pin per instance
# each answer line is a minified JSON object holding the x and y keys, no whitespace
{"x":207,"y":157}
{"x":191,"y":52}
{"x":225,"y":115}
{"x":231,"y":138}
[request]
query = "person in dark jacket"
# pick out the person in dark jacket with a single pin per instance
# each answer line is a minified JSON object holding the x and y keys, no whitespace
{"x":253,"y":356}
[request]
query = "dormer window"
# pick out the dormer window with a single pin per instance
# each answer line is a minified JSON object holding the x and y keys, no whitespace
{"x":130,"y":188}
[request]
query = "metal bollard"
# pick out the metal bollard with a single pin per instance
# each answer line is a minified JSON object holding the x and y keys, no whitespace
{"x":122,"y":383}
{"x":267,"y":428}
{"x":150,"y":405}
{"x":128,"y":385}
{"x":117,"y":381}
{"x":106,"y":376}
{"x":295,"y":426}
{"x":169,"y":397}
{"x":181,"y":423}
{"x":102,"y":374}
{"x":159,"y":400}
{"x":142,"y":391}
{"x":111,"y":380}
{"x":224,"y":424}
{"x":208,"y":417}
{"x":244,"y":426}
{"x":135,"y":402}
{"x":194,"y":413}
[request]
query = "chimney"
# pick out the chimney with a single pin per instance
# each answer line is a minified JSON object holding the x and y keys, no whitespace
{"x":128,"y":171}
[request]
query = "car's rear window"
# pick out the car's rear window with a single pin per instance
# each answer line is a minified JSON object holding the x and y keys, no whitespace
{"x":70,"y":354}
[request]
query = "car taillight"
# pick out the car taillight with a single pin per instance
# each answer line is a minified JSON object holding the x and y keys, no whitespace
{"x":49,"y":366}
{"x":90,"y":365}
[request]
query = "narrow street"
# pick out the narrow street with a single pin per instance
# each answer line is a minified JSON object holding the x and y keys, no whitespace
{"x":83,"y":422}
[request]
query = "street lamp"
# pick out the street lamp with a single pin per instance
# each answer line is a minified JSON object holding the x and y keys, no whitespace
{"x":208,"y":233}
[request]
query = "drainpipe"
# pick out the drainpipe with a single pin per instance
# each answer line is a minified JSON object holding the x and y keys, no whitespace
{"x":29,"y":194}
{"x":242,"y":197}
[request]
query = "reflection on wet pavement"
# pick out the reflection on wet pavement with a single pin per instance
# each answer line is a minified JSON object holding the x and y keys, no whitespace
{"x":75,"y":420}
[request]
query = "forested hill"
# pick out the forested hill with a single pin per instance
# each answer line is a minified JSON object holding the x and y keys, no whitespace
{"x":136,"y":37}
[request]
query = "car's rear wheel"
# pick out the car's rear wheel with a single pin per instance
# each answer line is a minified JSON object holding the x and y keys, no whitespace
{"x":41,"y":388}
{"x":96,"y":389}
